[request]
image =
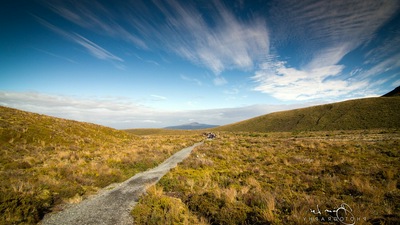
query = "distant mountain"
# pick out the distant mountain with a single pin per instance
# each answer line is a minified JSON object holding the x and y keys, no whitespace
{"x":367,"y":113}
{"x":191,"y":126}
{"x":395,"y":92}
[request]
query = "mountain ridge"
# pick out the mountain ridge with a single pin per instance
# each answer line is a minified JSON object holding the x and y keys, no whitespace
{"x":393,"y":93}
{"x":191,"y":126}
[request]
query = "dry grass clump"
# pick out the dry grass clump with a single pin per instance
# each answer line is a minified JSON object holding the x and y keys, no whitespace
{"x":45,"y":161}
{"x":279,"y":178}
{"x":157,"y":208}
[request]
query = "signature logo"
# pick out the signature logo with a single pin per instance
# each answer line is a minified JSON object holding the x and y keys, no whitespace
{"x":343,"y":214}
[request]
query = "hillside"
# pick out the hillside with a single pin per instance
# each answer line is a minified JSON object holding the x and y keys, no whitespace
{"x":368,"y":113}
{"x":393,"y":93}
{"x":47,"y":161}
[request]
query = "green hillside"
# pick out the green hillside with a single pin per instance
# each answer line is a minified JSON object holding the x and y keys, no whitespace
{"x":368,"y":113}
{"x":46,"y":162}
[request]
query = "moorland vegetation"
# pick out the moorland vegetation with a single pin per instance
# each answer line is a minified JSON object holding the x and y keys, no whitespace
{"x":281,"y":168}
{"x":288,"y":168}
{"x":46,"y":162}
{"x":279,"y":178}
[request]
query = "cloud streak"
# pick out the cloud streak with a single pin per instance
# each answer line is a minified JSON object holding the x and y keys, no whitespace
{"x":96,"y":17}
{"x":179,"y":28}
{"x":325,"y":22}
{"x":55,"y":55}
{"x":337,"y":28}
{"x":91,"y":47}
{"x":286,"y":83}
{"x":193,"y":80}
{"x":94,"y":49}
{"x":159,"y":97}
{"x":210,"y":34}
{"x":229,"y":44}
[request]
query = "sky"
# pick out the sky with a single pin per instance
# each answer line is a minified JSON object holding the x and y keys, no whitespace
{"x":151,"y":64}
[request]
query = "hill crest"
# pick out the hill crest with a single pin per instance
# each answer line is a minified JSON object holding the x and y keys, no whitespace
{"x":393,"y":93}
{"x":368,"y":113}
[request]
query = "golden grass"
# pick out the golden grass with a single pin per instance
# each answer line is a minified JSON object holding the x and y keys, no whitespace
{"x":157,"y":208}
{"x":367,"y":113}
{"x":278,"y":178}
{"x":46,"y":162}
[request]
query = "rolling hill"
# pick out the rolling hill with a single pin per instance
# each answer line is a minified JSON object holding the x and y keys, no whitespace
{"x":47,"y":161}
{"x":368,"y":113}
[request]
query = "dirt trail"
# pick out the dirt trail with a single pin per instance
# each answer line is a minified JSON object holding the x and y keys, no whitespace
{"x":114,"y":206}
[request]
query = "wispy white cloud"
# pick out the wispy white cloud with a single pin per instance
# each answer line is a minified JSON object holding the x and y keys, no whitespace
{"x":386,"y":65}
{"x":387,"y":48}
{"x":193,"y":80}
{"x":159,"y":97}
{"x":109,"y":111}
{"x":93,"y":49}
{"x":55,"y":55}
{"x":229,"y":44}
{"x":396,"y":83}
{"x":337,"y":28}
{"x":286,"y":83}
{"x":36,"y":99}
{"x":219,"y":80}
{"x":96,"y":17}
{"x":325,"y":22}
{"x":324,"y":31}
{"x":176,"y":27}
{"x":147,"y":60}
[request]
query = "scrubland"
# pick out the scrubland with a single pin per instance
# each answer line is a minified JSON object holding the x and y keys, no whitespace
{"x":238,"y":178}
{"x":47,"y":162}
{"x":282,"y":178}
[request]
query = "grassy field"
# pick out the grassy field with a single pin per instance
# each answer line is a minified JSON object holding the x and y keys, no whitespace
{"x":359,"y":114}
{"x":282,"y":178}
{"x":239,"y":178}
{"x":46,"y":162}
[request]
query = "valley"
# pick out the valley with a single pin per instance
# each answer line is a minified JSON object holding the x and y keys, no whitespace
{"x":295,"y":173}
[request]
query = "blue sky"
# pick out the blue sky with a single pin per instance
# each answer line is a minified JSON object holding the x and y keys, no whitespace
{"x":129,"y":64}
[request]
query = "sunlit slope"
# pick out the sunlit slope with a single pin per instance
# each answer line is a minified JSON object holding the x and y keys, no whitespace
{"x":46,"y":161}
{"x":31,"y":129}
{"x":368,"y":113}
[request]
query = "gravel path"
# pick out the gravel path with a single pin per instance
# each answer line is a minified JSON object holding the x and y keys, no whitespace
{"x":114,"y":206}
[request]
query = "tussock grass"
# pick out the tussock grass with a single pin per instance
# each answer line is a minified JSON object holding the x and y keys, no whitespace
{"x":278,"y":178}
{"x":46,"y":162}
{"x":157,"y":208}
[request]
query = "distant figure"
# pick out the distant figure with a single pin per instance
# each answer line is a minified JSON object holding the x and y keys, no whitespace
{"x":210,"y":135}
